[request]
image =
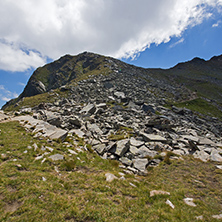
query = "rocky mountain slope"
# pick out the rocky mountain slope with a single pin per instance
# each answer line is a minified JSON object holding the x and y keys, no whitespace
{"x":97,"y":75}
{"x":124,"y":112}
{"x":183,"y":82}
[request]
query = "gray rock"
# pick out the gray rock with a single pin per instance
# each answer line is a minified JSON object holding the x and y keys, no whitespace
{"x":140,"y":164}
{"x":189,"y":201}
{"x":125,"y":161}
{"x":94,"y":128}
{"x":145,"y":152}
{"x":78,"y":132}
{"x":110,"y":177}
{"x":148,"y":108}
{"x":215,"y":156}
{"x":53,"y":119}
{"x":75,"y":121}
{"x":136,"y":143}
{"x":158,"y":192}
{"x":89,"y":109}
{"x":56,"y":157}
{"x":133,"y":150}
{"x":152,"y":137}
{"x":178,"y":152}
{"x":101,"y":106}
{"x":190,"y":137}
{"x":72,"y":152}
{"x":199,"y":217}
{"x":219,"y":216}
{"x":168,"y":202}
{"x":120,"y":95}
{"x":100,"y":148}
{"x":59,"y":134}
{"x":205,"y":141}
{"x":122,"y":147}
{"x":35,"y":146}
{"x":202,"y":155}
{"x":46,"y":129}
{"x":135,"y":171}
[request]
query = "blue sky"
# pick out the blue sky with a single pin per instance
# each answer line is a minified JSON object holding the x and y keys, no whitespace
{"x":151,"y":34}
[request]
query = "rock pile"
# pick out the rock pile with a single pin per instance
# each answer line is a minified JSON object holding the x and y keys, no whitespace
{"x":137,"y":134}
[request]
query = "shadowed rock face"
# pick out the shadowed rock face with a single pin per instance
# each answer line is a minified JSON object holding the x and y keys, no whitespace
{"x":34,"y":87}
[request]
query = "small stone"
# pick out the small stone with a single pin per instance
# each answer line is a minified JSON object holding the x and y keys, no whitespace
{"x":110,"y":177}
{"x":43,"y":160}
{"x":199,"y":217}
{"x":168,"y":202}
{"x":217,"y":216}
{"x":133,"y":185}
{"x":35,"y":146}
{"x":189,"y":201}
{"x":49,"y":148}
{"x":56,"y":169}
{"x":158,"y":192}
{"x":132,"y":169}
{"x":39,"y":157}
{"x":56,"y":157}
{"x":4,"y":156}
{"x":44,"y":179}
{"x":72,"y":152}
{"x":25,"y":151}
{"x":219,"y":167}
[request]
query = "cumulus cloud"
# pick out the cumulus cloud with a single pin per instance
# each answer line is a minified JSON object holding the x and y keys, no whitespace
{"x":6,"y":95}
{"x":121,"y":28}
{"x":14,"y":58}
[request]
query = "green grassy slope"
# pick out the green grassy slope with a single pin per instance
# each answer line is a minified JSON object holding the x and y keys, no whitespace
{"x":32,"y":190}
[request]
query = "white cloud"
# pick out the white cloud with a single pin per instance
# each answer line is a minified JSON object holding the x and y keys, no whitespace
{"x":6,"y":95}
{"x":21,"y":84}
{"x":177,"y":43}
{"x":217,"y":24}
{"x":14,"y":58}
{"x":117,"y":28}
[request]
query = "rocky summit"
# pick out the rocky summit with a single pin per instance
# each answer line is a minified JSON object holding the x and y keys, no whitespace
{"x":137,"y":116}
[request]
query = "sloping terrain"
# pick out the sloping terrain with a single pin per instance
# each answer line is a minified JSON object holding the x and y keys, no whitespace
{"x":81,"y":186}
{"x":64,"y":74}
{"x":94,"y":139}
{"x":204,"y":77}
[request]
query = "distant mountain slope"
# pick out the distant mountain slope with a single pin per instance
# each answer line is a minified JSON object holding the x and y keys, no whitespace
{"x":204,"y":77}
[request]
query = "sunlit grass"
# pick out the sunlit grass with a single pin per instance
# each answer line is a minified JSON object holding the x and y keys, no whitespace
{"x":32,"y":190}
